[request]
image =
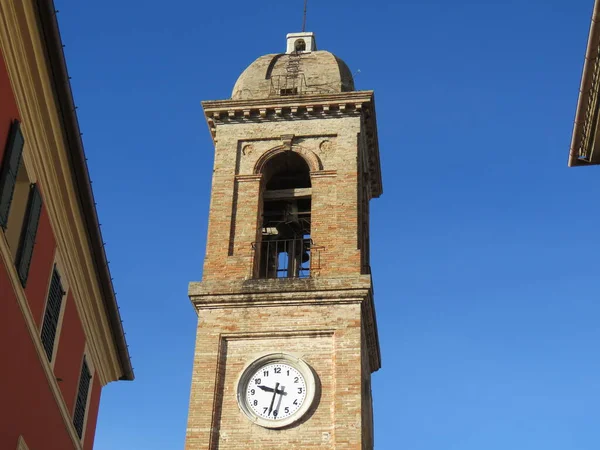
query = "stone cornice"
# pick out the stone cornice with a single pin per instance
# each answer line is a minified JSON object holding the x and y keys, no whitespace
{"x":277,"y":285}
{"x":293,"y":292}
{"x":288,"y":101}
{"x":303,"y":107}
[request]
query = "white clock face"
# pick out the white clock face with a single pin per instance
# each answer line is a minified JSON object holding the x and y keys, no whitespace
{"x":276,"y":391}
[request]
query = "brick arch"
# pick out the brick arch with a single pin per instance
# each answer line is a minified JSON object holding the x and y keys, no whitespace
{"x":313,"y":161}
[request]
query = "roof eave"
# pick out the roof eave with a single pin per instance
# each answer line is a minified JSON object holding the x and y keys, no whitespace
{"x":584,"y":90}
{"x":80,"y":173}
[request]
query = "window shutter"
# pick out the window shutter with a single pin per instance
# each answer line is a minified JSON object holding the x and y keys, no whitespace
{"x":55,"y":295}
{"x":30,"y":226}
{"x":82,"y":396}
{"x":9,"y":169}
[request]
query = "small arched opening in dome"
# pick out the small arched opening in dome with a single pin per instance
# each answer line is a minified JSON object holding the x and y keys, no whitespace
{"x":300,"y":46}
{"x":284,"y":250}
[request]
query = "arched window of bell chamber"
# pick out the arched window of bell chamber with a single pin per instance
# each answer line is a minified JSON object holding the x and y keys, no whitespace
{"x":285,"y":247}
{"x":300,"y":45}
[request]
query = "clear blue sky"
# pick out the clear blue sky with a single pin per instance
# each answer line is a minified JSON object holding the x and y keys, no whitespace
{"x":484,"y":244}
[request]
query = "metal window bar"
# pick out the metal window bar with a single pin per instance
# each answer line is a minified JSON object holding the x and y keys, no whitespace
{"x":288,"y":84}
{"x":286,"y":258}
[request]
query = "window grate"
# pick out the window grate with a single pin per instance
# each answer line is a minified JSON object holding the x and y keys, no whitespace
{"x":9,"y":169}
{"x":82,"y":396}
{"x":288,"y":258}
{"x":52,"y":313}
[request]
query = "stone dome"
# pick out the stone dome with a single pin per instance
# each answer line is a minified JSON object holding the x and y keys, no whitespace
{"x":296,"y":73}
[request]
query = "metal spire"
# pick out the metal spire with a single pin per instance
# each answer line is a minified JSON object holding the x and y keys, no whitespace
{"x":304,"y":19}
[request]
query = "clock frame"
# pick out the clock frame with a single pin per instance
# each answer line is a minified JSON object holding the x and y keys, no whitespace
{"x":305,"y":374}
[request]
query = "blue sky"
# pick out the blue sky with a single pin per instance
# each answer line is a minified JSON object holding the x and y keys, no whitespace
{"x":484,"y":246}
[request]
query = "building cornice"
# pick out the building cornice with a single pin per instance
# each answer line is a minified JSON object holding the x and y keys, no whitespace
{"x":80,"y":174}
{"x":293,"y":292}
{"x":32,"y":50}
{"x":303,"y":107}
{"x":584,"y":143}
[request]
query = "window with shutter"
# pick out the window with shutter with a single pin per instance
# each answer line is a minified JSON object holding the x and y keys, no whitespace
{"x":52,"y":314}
{"x":8,"y":172}
{"x":30,"y":226}
{"x":82,"y":397}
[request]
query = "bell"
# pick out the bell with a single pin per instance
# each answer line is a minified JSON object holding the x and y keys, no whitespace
{"x":305,"y":257}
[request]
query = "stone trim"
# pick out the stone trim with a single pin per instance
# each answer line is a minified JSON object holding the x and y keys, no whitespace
{"x":323,"y":174}
{"x":248,"y":178}
{"x":238,"y":114}
{"x":293,"y":292}
{"x":306,"y":107}
{"x":313,"y":161}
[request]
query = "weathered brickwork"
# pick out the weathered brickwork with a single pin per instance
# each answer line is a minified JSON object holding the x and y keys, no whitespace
{"x":323,"y":327}
{"x":236,"y":194}
{"x":328,"y":320}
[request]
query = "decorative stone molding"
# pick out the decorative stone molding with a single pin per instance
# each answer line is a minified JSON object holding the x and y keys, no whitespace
{"x":323,"y":174}
{"x":248,"y":178}
{"x":287,"y":139}
{"x":241,"y":114}
{"x":306,"y":107}
{"x":297,"y":292}
{"x":326,"y":146}
{"x":248,"y":149}
{"x":313,"y":161}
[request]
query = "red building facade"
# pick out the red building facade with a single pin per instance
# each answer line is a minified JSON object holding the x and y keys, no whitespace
{"x":61,"y":336}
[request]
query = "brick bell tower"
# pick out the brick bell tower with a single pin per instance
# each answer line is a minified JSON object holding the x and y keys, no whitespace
{"x":287,"y":336}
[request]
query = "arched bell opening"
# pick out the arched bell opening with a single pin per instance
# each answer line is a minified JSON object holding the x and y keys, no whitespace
{"x":285,"y":247}
{"x":300,"y":46}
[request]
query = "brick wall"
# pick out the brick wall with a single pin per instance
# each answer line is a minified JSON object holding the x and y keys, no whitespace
{"x":326,"y":337}
{"x":327,"y":320}
{"x":236,"y":202}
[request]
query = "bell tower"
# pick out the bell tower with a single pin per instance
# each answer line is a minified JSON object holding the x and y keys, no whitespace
{"x":287,"y":337}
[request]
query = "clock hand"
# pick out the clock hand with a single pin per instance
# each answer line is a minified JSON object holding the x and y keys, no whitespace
{"x":265,"y":388}
{"x":282,"y":391}
{"x":268,"y":389}
{"x":273,"y":398}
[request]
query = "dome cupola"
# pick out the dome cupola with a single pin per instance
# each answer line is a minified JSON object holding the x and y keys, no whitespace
{"x":301,"y":70}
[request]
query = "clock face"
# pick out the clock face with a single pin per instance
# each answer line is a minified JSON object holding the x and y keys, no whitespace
{"x":276,"y":390}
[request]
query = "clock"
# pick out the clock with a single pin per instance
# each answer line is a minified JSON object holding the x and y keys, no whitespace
{"x":276,"y":390}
